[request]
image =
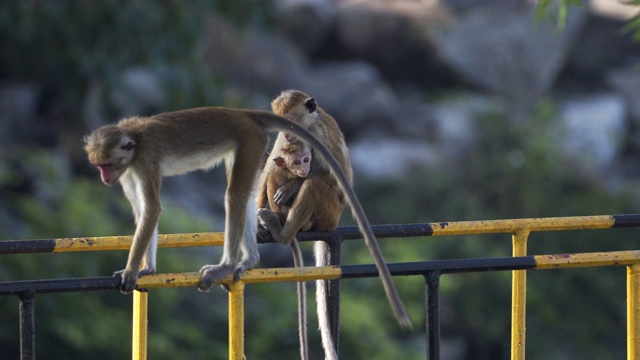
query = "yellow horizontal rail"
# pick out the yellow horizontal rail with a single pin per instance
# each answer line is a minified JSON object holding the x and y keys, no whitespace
{"x":124,"y":242}
{"x":532,"y":224}
{"x":541,"y":262}
{"x":249,"y":276}
{"x":613,"y":258}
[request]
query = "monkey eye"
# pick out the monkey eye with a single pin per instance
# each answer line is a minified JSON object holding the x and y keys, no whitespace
{"x":306,"y":160}
{"x":296,"y":162}
{"x":128,"y":146}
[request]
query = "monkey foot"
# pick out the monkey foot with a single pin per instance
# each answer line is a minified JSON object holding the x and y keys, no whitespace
{"x":264,"y":236}
{"x":236,"y":277}
{"x":211,"y":274}
{"x":144,"y":272}
{"x":270,"y":226}
{"x":128,"y":280}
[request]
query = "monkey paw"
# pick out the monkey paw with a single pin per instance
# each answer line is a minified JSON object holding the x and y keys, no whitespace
{"x":270,"y":226}
{"x":283,"y":194}
{"x":236,"y":277}
{"x":211,"y":274}
{"x":264,"y":236}
{"x":128,"y":280}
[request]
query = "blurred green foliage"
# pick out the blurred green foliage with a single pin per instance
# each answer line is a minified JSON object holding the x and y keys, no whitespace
{"x":516,"y":169}
{"x":555,"y":11}
{"x":66,"y":46}
{"x":634,"y":24}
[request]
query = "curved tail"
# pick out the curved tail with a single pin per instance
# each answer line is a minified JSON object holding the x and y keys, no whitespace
{"x":298,"y":262}
{"x":320,"y":250}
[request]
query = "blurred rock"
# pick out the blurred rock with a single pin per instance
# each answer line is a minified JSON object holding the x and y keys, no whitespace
{"x":391,"y":157}
{"x":397,"y":37}
{"x":594,"y":130}
{"x":455,"y":121}
{"x":600,"y":45}
{"x":626,"y":82}
{"x":621,"y":10}
{"x":354,"y":93}
{"x":470,"y":5}
{"x":139,"y":91}
{"x":201,"y":193}
{"x":18,"y":114}
{"x":251,"y":60}
{"x":294,"y":17}
{"x":500,"y":49}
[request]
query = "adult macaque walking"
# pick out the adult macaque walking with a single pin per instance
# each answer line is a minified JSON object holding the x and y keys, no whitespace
{"x":138,"y":152}
{"x":320,"y":200}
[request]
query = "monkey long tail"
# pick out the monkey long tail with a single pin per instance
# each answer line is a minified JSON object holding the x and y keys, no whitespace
{"x":320,"y":252}
{"x":298,"y":262}
{"x":282,"y":124}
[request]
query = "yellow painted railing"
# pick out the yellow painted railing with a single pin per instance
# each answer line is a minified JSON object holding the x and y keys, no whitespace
{"x":518,"y":228}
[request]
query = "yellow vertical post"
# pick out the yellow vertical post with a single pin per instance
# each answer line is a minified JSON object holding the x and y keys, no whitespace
{"x":633,"y":312}
{"x":139,"y":341}
{"x":518,"y":297}
{"x":236,"y":320}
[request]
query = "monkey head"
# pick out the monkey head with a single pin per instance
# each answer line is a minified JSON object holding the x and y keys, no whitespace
{"x":111,"y":150}
{"x":295,"y":157}
{"x":297,"y":107}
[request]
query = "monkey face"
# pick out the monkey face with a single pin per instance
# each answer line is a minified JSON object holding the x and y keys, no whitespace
{"x":300,"y":170}
{"x":110,"y":151}
{"x":111,"y":169}
{"x":300,"y":166}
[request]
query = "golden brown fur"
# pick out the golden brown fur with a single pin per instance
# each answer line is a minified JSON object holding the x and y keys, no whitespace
{"x":138,"y":152}
{"x":319,"y":203}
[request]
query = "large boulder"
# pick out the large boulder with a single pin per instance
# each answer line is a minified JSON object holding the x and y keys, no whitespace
{"x":20,"y":124}
{"x":354,"y":93}
{"x":397,"y":37}
{"x":250,"y":60}
{"x":626,"y":83}
{"x":308,"y":23}
{"x":502,"y":50}
{"x":600,"y":45}
{"x":594,"y":130}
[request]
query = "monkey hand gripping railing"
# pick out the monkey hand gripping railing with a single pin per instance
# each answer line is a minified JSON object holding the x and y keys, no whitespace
{"x":430,"y":270}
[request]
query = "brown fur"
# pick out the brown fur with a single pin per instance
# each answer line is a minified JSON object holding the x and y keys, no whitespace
{"x":138,"y":152}
{"x":319,"y":203}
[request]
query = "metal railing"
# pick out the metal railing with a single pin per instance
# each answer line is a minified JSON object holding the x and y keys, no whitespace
{"x":430,"y":270}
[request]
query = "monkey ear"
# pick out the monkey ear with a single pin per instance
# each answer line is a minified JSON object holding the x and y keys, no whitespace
{"x":279,"y":161}
{"x":311,"y":105}
{"x":128,"y":146}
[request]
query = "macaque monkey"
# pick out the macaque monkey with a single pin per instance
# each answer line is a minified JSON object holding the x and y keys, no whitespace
{"x":319,"y":202}
{"x":292,"y":167}
{"x":138,"y":152}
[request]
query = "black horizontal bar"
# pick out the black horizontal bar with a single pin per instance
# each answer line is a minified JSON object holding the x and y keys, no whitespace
{"x":382,"y":231}
{"x":27,"y":246}
{"x":59,"y":285}
{"x":627,"y":220}
{"x":344,"y":232}
{"x":443,"y":266}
